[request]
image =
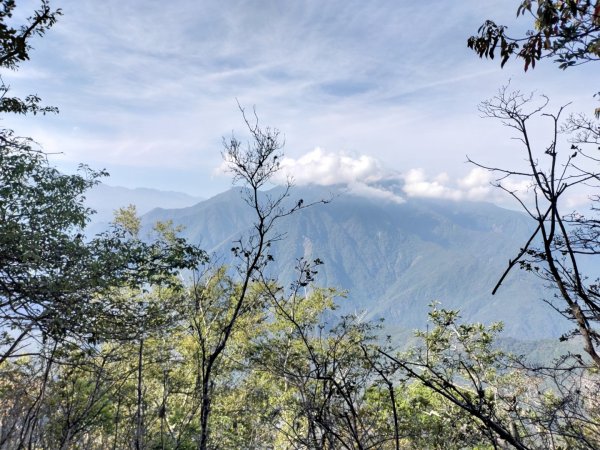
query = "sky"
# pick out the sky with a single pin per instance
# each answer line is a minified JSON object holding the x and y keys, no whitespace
{"x":362,"y":92}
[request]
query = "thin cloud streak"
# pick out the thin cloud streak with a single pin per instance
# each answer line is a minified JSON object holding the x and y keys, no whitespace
{"x":152,"y":85}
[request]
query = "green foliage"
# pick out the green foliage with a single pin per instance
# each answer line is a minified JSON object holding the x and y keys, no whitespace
{"x":53,"y":283}
{"x":568,"y":31}
{"x":14,"y":49}
{"x":501,"y":396}
{"x":52,"y":279}
{"x":428,"y":420}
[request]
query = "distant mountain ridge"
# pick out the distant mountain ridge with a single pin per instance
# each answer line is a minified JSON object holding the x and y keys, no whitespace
{"x":106,"y":199}
{"x":393,"y":258}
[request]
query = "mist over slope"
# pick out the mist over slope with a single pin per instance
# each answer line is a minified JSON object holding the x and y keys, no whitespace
{"x":393,"y":258}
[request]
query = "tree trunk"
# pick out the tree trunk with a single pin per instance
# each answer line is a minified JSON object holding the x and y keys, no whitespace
{"x":139,"y":428}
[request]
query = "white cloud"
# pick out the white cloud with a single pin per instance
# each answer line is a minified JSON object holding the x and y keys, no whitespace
{"x":358,"y":172}
{"x":417,"y":185}
{"x":481,"y":185}
{"x":475,"y":186}
{"x":364,"y":190}
{"x":366,"y":176}
{"x":328,"y":168}
{"x":519,"y":187}
{"x":477,"y":177}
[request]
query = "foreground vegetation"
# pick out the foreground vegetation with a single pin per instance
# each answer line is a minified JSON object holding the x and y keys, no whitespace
{"x":135,"y":341}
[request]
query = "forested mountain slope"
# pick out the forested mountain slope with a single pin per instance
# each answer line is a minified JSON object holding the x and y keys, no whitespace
{"x":394,"y":258}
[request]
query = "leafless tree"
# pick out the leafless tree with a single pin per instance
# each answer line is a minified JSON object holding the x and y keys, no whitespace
{"x":515,"y":402}
{"x":253,"y":165}
{"x":560,"y":238}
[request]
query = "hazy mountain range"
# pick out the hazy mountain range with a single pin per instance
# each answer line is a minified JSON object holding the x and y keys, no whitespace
{"x":393,"y":258}
{"x":105,"y":199}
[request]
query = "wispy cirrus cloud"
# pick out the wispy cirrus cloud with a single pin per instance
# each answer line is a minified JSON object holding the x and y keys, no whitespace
{"x":155,"y":85}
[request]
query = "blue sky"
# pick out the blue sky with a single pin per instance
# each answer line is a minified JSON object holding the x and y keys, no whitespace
{"x":361,"y":90}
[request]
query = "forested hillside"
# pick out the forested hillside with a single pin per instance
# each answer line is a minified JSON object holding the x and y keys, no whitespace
{"x":392,"y":259}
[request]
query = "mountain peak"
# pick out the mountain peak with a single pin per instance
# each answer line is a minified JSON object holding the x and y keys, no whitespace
{"x":393,"y":258}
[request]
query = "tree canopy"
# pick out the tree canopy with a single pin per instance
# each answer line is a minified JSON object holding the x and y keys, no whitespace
{"x":568,"y":31}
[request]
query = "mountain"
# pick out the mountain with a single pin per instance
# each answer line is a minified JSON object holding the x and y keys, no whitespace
{"x":394,"y":258}
{"x":105,"y":199}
